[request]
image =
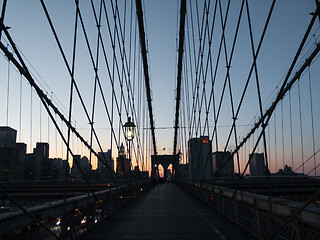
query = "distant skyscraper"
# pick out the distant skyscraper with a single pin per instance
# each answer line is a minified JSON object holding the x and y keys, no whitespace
{"x":30,"y":167}
{"x":223,"y":164}
{"x":200,"y":157}
{"x":22,"y":150}
{"x":257,"y":165}
{"x":75,"y":172}
{"x":105,"y":172}
{"x":83,"y":164}
{"x":8,"y":137}
{"x":8,"y":154}
{"x":43,"y":165}
{"x":56,"y":168}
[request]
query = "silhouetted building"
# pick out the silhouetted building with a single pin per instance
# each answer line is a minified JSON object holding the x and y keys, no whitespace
{"x":8,"y":137}
{"x":75,"y":172}
{"x":65,"y":168}
{"x":257,"y":165}
{"x":123,"y":163}
{"x":105,"y":172}
{"x":83,"y":164}
{"x":200,"y":157}
{"x":286,"y":171}
{"x":139,"y":175}
{"x":43,"y":165}
{"x":21,"y":156}
{"x":59,"y":168}
{"x":30,"y":167}
{"x":8,"y":154}
{"x":223,"y":164}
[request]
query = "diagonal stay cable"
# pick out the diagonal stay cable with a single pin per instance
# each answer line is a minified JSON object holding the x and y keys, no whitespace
{"x":249,"y":77}
{"x":125,"y":67}
{"x":64,"y":227}
{"x":286,"y":86}
{"x":29,"y":214}
{"x":24,"y":70}
{"x":78,"y":92}
{"x":99,"y":84}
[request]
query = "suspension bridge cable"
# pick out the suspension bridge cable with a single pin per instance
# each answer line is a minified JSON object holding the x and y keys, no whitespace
{"x":261,"y":115}
{"x":96,"y":64}
{"x":3,"y":12}
{"x":285,"y":87}
{"x":222,"y":44}
{"x":291,"y":135}
{"x":301,"y":130}
{"x":12,"y":200}
{"x":70,"y":73}
{"x":46,"y":102}
{"x":146,"y":72}
{"x":123,"y":56}
{"x":20,"y":108}
{"x":179,"y":74}
{"x":23,"y":69}
{"x":312,"y":121}
{"x":8,"y":92}
{"x":202,"y":41}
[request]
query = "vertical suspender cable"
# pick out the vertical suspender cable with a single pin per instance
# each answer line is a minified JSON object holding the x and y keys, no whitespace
{"x":275,"y":140}
{"x":20,"y":108}
{"x":30,"y":118}
{"x":291,"y":135}
{"x":301,"y":131}
{"x":282,"y":131}
{"x":48,"y":128}
{"x":8,"y":93}
{"x":312,"y":123}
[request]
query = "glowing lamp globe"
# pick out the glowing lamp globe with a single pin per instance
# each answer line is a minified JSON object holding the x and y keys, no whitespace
{"x":129,"y":129}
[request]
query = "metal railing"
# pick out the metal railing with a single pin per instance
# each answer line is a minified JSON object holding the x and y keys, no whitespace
{"x":251,"y":212}
{"x":83,"y":213}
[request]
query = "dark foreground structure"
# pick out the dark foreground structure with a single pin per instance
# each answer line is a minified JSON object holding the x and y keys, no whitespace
{"x":167,"y":212}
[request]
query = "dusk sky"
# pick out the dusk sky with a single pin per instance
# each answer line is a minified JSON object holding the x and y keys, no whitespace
{"x":30,"y":30}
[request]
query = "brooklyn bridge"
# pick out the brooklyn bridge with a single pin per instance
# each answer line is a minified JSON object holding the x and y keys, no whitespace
{"x":145,"y":119}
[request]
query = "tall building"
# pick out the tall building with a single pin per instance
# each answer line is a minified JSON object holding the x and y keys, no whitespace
{"x":65,"y":168}
{"x":223,"y":164}
{"x":123,"y":163}
{"x":21,"y":156}
{"x":8,"y":137}
{"x":43,"y":166}
{"x":200,"y":157}
{"x":75,"y":172}
{"x":30,"y":167}
{"x":105,"y":172}
{"x":84,"y":165}
{"x":257,"y":164}
{"x":8,"y":154}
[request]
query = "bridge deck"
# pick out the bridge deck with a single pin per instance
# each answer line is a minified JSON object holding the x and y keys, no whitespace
{"x":168,"y":213}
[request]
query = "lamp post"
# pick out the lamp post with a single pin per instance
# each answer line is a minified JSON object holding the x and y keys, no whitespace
{"x":129,"y":132}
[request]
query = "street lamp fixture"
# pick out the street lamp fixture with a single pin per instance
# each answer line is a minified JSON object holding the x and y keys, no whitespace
{"x":129,"y":133}
{"x":129,"y":129}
